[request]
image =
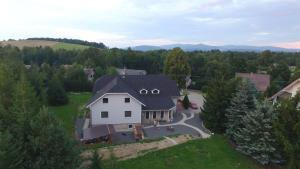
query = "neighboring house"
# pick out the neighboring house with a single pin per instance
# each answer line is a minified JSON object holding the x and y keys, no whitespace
{"x":288,"y":91}
{"x":126,"y":101}
{"x":126,"y":71}
{"x":28,"y":67}
{"x":260,"y":81}
{"x":90,"y":73}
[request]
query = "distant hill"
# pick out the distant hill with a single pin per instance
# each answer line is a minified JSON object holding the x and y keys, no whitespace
{"x":68,"y":44}
{"x":203,"y":47}
{"x":43,"y":43}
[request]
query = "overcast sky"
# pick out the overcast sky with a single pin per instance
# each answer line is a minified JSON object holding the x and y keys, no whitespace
{"x":124,"y":23}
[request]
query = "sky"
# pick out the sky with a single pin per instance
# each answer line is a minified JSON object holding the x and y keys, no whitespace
{"x":123,"y":23}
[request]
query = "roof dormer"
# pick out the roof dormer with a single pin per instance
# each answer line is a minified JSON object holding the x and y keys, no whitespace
{"x":143,"y":91}
{"x":155,"y":91}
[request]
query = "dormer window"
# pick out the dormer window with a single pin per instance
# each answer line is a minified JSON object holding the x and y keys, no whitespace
{"x":155,"y":91}
{"x":143,"y":91}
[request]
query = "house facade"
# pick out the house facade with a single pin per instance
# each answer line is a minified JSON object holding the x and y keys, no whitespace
{"x":288,"y":91}
{"x":126,"y":101}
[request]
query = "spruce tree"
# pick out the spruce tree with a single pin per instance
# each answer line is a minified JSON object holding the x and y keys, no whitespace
{"x":242,"y":102}
{"x":256,"y":137}
{"x":217,"y":100}
{"x":186,"y":102}
{"x":287,"y":130}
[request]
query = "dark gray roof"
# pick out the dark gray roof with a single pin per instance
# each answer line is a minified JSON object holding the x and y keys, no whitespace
{"x":132,"y":84}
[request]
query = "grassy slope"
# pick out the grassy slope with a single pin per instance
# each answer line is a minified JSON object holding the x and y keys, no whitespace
{"x":43,"y":43}
{"x":213,"y":153}
{"x":68,"y":112}
{"x":69,"y":46}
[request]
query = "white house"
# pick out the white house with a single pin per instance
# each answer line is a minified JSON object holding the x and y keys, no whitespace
{"x":126,"y":101}
{"x":288,"y":91}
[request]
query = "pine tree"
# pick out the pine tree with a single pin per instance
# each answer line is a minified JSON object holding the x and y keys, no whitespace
{"x":96,"y":161}
{"x":56,"y":93}
{"x":287,"y":130}
{"x":186,"y":102}
{"x":256,"y":138}
{"x":217,"y":100}
{"x":242,"y":102}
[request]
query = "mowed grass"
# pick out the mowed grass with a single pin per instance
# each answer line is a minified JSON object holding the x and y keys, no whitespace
{"x":69,"y":112}
{"x":212,"y":153}
{"x":69,"y":46}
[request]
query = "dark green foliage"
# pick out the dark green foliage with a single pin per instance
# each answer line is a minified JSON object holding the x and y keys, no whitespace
{"x":240,"y":104}
{"x":217,"y":100}
{"x":177,"y":67}
{"x":96,"y":161}
{"x":256,"y":137}
{"x":76,"y":80}
{"x":287,"y":130}
{"x":186,"y":102}
{"x":56,"y":93}
{"x":49,"y":145}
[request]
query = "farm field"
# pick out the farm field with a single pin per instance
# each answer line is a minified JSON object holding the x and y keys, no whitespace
{"x":43,"y":43}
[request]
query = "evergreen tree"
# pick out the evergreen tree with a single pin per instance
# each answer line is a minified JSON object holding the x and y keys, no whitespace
{"x":256,"y":137}
{"x":287,"y":130}
{"x":56,"y":93}
{"x":242,"y":102}
{"x":186,"y":102}
{"x":96,"y":161}
{"x":177,"y":67}
{"x":49,"y":145}
{"x":10,"y":152}
{"x":217,"y":100}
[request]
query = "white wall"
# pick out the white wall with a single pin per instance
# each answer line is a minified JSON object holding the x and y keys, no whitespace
{"x":116,"y":108}
{"x":294,"y":89}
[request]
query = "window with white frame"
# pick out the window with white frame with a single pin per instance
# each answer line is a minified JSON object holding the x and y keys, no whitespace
{"x":143,"y":91}
{"x":155,"y":91}
{"x":104,"y":114}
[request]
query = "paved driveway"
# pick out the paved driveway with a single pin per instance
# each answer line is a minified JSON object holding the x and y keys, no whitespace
{"x":196,"y":97}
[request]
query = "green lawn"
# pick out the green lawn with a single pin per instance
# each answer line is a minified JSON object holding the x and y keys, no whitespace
{"x":67,"y":113}
{"x":69,"y":46}
{"x":212,"y":153}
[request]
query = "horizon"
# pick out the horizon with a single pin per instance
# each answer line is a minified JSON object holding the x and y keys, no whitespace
{"x":124,"y":23}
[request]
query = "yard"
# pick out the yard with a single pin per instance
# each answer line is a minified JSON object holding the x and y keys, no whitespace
{"x":212,"y":153}
{"x":67,"y":113}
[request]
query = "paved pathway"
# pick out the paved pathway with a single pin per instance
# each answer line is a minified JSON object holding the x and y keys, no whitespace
{"x":183,"y":122}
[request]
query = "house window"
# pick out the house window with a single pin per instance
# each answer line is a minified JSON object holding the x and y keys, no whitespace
{"x":154,"y":115}
{"x":143,"y":91}
{"x":105,"y":100}
{"x":127,"y":113}
{"x":104,"y":114}
{"x":162,"y":113}
{"x":130,"y":126}
{"x":147,"y":115}
{"x":155,"y":91}
{"x":127,"y":100}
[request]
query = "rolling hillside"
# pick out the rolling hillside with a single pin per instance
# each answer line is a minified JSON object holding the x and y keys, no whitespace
{"x":43,"y":43}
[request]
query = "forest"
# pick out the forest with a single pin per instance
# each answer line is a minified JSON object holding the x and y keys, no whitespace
{"x":26,"y":126}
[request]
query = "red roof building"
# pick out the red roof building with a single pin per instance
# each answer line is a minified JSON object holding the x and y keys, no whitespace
{"x":260,"y":81}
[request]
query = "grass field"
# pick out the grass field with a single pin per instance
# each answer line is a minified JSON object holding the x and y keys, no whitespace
{"x":67,"y":113}
{"x":43,"y":43}
{"x":212,"y":153}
